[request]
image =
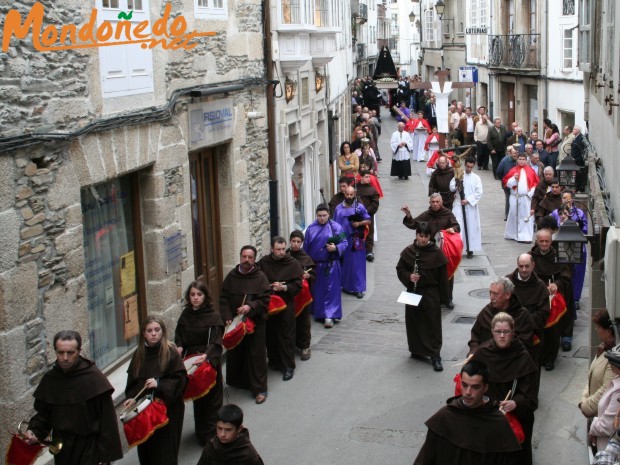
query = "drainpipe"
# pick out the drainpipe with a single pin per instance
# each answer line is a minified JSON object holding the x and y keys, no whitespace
{"x":274,"y":225}
{"x":546,"y":58}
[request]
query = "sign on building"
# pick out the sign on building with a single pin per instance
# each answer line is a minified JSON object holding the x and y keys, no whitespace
{"x":468,"y":74}
{"x":211,"y":122}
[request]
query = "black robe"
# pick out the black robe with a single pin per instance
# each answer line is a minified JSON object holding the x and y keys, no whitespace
{"x":281,"y":327}
{"x":303,"y":322}
{"x":506,"y":366}
{"x":239,"y":452}
{"x":78,"y":407}
{"x":201,"y":331}
{"x":458,"y":435}
{"x":246,"y":364}
{"x":162,"y":448}
{"x":423,"y":323}
{"x":438,"y":220}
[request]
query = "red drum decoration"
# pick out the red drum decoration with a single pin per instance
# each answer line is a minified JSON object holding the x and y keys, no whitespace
{"x":201,"y":377}
{"x":240,"y":326}
{"x":303,"y":298}
{"x":276,"y":305}
{"x":143,"y":420}
{"x":22,"y":453}
{"x":452,"y":247}
{"x":558,"y":309}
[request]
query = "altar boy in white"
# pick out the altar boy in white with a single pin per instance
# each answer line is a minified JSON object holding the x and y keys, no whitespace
{"x":522,"y":181}
{"x":468,"y":201}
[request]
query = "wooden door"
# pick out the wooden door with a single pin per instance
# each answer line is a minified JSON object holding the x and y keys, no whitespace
{"x":510,"y":98}
{"x":206,"y":220}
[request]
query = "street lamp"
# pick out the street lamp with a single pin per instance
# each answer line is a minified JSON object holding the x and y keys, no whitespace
{"x":570,"y":241}
{"x":567,"y":172}
{"x":440,"y":7}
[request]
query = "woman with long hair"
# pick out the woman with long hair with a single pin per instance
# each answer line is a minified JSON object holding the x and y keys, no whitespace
{"x":157,"y":366}
{"x":200,"y":331}
{"x":348,"y":162}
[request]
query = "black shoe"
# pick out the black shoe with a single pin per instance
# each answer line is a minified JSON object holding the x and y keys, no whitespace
{"x":406,"y":178}
{"x":370,"y":257}
{"x":359,"y":295}
{"x":505,"y":218}
{"x":577,"y":306}
{"x":450,"y":305}
{"x":566,"y":346}
{"x":470,"y":254}
{"x":288,"y":374}
{"x":549,"y":366}
{"x":436,"y":362}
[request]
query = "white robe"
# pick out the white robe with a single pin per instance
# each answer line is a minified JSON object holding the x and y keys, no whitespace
{"x":419,"y":139}
{"x":472,"y":186}
{"x":401,"y":153}
{"x":520,"y":205}
{"x":442,"y":102}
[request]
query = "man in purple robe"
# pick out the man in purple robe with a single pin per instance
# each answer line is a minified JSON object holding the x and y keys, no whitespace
{"x":353,"y":217}
{"x":325,"y":243}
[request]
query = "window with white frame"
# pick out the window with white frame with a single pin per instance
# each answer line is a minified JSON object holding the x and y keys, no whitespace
{"x":533,"y":16}
{"x":585,"y":22}
{"x":610,"y":30}
{"x":429,"y":25}
{"x":305,"y":91}
{"x":474,"y":13}
{"x":125,"y":69}
{"x":291,"y":13}
{"x":567,"y":49}
{"x":321,"y":13}
{"x":568,"y":7}
{"x":211,"y":9}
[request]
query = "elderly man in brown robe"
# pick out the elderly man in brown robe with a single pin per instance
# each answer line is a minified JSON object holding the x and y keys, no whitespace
{"x":502,"y":299}
{"x":74,"y":400}
{"x":542,"y":188}
{"x":551,"y":201}
{"x":245,"y":291}
{"x":557,"y":277}
{"x":438,"y":218}
{"x":284,"y":274}
{"x":440,"y":181}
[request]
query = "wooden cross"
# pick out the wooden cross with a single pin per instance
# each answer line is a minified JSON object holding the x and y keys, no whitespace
{"x":442,"y":77}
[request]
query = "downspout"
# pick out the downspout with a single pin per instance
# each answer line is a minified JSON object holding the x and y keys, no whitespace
{"x":546,"y":77}
{"x":490,"y":96}
{"x":274,"y":225}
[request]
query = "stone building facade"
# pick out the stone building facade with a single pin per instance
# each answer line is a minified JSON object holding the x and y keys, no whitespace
{"x":113,"y":201}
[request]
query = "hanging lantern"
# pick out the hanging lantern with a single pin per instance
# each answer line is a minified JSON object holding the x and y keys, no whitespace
{"x":569,"y":242}
{"x":567,"y":172}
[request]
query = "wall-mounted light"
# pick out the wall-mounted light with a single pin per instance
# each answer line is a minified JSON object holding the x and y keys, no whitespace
{"x":319,"y":82}
{"x":440,"y":7}
{"x":290,"y":89}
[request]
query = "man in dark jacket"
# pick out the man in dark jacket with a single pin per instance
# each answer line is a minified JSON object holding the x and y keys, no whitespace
{"x":496,"y":144}
{"x":369,"y":197}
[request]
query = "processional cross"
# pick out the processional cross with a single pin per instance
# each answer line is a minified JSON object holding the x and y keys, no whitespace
{"x":442,"y":89}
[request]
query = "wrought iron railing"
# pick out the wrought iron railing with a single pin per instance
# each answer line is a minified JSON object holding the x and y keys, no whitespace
{"x":520,"y":51}
{"x":363,"y":12}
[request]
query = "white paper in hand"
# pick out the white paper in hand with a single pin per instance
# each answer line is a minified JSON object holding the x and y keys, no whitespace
{"x":409,"y":298}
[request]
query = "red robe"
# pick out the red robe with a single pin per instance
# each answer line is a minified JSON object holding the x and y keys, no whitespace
{"x":413,"y":123}
{"x":374,"y":182}
{"x":436,"y":155}
{"x":429,"y":139}
{"x":532,"y":177}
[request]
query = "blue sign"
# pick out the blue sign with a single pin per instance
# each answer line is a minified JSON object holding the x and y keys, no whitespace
{"x":468,"y":74}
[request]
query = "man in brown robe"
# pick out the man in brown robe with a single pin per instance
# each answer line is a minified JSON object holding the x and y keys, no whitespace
{"x":439,"y":218}
{"x":470,"y":429}
{"x":74,"y":402}
{"x":440,"y":182}
{"x":303,"y":321}
{"x":338,"y":197}
{"x":542,"y":188}
{"x":369,"y":197}
{"x":284,"y":275}
{"x":550,"y":202}
{"x":245,"y":291}
{"x":422,"y":269}
{"x":502,"y":300}
{"x":557,"y":277}
{"x":534,"y":296}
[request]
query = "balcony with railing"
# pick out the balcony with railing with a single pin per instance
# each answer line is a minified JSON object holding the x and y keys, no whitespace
{"x":359,"y":11}
{"x":515,"y":51}
{"x":361,"y":52}
{"x":394,"y":30}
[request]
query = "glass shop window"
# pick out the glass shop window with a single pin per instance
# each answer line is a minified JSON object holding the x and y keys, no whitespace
{"x":299,"y":199}
{"x":111,"y":225}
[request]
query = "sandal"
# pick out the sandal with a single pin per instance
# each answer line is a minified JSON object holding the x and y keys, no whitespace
{"x":261,"y":398}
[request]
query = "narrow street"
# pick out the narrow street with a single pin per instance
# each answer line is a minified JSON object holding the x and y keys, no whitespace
{"x":360,"y":399}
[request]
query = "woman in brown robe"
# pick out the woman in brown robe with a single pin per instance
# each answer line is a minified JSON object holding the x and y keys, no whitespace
{"x":157,"y":365}
{"x":511,"y":369}
{"x":422,"y":270}
{"x":199,"y":331}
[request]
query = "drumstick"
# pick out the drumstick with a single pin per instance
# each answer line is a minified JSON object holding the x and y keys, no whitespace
{"x":134,"y":399}
{"x":464,"y":361}
{"x":242,"y":304}
{"x":506,"y":399}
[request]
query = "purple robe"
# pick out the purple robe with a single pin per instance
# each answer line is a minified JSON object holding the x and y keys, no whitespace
{"x":326,"y":287}
{"x":578,"y":270}
{"x":354,"y":259}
